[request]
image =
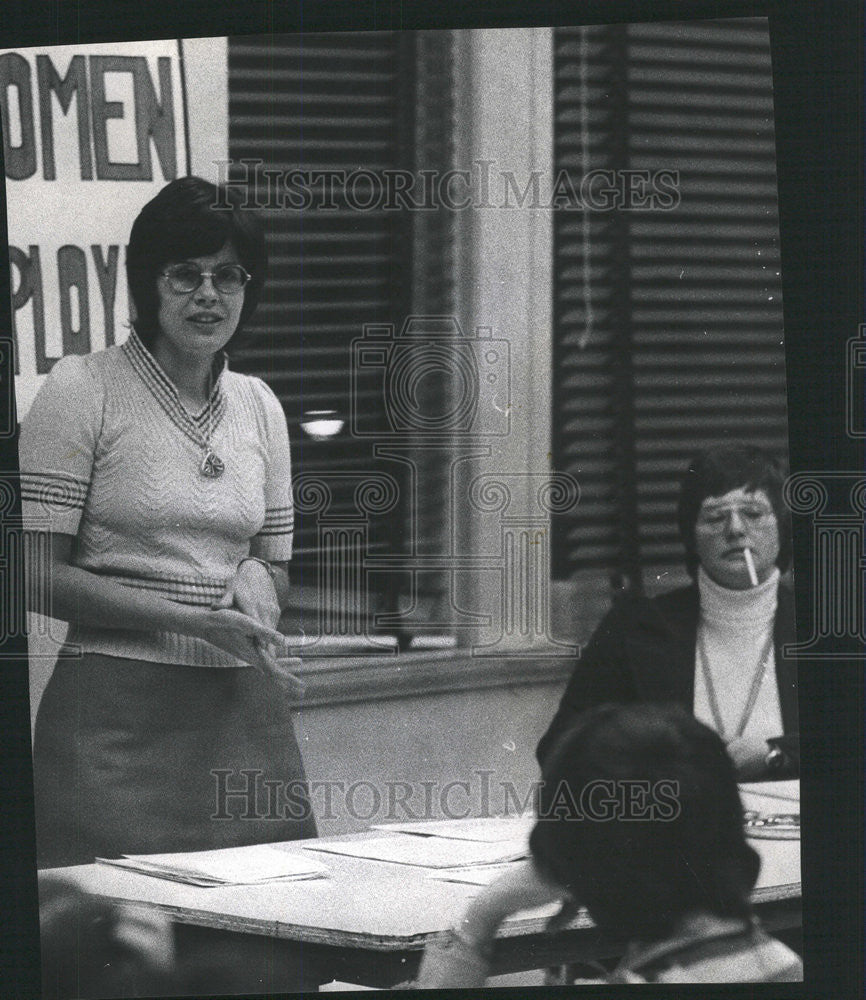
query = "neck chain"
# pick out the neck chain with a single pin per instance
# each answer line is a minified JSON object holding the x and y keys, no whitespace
{"x":212,"y":466}
{"x":165,"y":393}
{"x":749,"y":707}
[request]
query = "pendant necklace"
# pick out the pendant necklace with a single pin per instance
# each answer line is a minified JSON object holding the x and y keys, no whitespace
{"x":751,"y":698}
{"x":212,"y":466}
{"x":164,"y":391}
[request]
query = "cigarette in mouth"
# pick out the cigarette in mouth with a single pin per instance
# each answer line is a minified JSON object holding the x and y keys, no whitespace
{"x":750,"y":566}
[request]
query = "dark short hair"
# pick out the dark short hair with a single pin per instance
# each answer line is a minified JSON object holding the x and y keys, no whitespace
{"x":191,"y":218}
{"x":640,"y":876}
{"x":718,"y":470}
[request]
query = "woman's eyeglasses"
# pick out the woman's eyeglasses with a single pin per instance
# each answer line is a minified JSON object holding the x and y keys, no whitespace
{"x":228,"y":279}
{"x":716,"y":519}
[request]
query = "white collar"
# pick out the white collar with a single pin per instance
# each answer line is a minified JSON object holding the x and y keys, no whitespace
{"x":198,"y":427}
{"x":723,"y":606}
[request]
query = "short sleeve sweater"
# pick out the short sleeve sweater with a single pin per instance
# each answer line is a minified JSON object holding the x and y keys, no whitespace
{"x":109,"y":455}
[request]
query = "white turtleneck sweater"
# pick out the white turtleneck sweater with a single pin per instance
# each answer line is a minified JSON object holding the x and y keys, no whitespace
{"x":734,"y":628}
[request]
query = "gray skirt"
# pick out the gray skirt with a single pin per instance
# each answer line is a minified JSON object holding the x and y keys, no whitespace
{"x":133,"y":757}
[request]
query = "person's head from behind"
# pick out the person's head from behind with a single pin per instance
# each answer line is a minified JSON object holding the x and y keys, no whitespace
{"x":730,"y":500}
{"x":640,"y":820}
{"x":196,"y":264}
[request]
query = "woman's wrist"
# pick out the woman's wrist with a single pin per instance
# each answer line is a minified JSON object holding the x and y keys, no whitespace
{"x":473,"y":938}
{"x":277,"y":573}
{"x":272,"y":573}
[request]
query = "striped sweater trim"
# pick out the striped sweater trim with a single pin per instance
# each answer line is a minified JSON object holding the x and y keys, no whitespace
{"x":196,"y":427}
{"x":54,"y":489}
{"x":154,"y":647}
{"x":183,"y":590}
{"x":282,"y":518}
{"x":278,"y":521}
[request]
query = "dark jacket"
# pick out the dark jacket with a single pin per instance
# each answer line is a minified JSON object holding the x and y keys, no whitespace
{"x":644,"y":650}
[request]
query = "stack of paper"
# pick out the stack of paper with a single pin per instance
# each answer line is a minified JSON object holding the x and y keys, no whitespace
{"x":474,"y":875}
{"x":230,"y":866}
{"x":771,"y":809}
{"x":487,"y":829}
{"x":425,"y":852}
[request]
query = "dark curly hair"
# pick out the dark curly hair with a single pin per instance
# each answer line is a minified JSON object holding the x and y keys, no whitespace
{"x":191,"y":218}
{"x":636,"y":875}
{"x":718,"y":470}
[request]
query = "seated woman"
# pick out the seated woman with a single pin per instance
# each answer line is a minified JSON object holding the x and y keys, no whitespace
{"x":717,"y":646}
{"x":670,"y":872}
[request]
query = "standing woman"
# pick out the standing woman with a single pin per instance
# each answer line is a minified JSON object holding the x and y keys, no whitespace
{"x":167,"y":482}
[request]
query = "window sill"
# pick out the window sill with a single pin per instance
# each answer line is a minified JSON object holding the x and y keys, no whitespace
{"x":334,"y":680}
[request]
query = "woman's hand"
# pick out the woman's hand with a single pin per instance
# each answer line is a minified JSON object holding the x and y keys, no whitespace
{"x":251,"y":642}
{"x":522,"y":887}
{"x":236,"y":633}
{"x":79,"y":595}
{"x":251,"y":590}
{"x":461,"y":957}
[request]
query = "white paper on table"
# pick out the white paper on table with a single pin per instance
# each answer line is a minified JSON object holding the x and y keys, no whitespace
{"x":490,"y":829}
{"x":476,"y":875}
{"x":228,"y":866}
{"x":789,"y":790}
{"x":425,"y":852}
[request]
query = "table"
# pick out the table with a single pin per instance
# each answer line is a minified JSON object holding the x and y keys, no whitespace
{"x":368,"y":923}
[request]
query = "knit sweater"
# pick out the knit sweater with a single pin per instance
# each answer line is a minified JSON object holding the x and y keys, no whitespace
{"x":109,"y":455}
{"x":735,"y":628}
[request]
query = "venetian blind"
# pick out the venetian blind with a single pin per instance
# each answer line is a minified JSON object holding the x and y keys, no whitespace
{"x":668,"y":320}
{"x":329,"y":103}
